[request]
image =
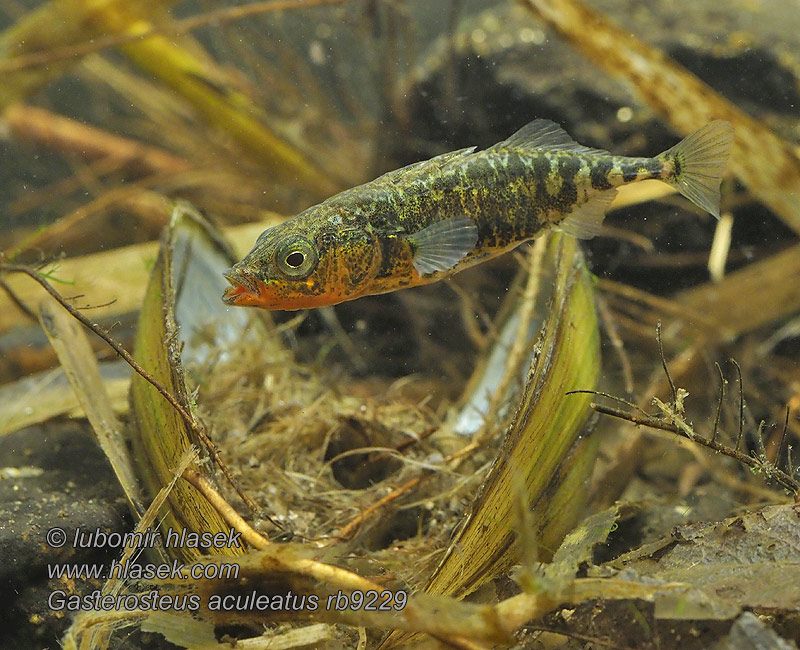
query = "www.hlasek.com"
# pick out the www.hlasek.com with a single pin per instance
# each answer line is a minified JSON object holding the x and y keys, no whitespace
{"x":153,"y":600}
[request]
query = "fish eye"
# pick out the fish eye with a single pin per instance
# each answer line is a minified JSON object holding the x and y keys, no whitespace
{"x":296,"y":257}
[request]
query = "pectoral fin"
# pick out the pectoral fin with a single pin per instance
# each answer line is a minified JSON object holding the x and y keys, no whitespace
{"x":443,"y":244}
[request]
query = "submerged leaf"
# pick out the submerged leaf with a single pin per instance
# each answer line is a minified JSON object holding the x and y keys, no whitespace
{"x":538,"y":466}
{"x":750,"y":561}
{"x":160,"y":435}
{"x":75,"y":354}
{"x":578,"y":544}
{"x":206,"y":325}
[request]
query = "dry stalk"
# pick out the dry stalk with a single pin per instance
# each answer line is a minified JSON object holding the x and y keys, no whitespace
{"x":66,"y":135}
{"x":608,"y":320}
{"x":177,"y":28}
{"x":225,"y":510}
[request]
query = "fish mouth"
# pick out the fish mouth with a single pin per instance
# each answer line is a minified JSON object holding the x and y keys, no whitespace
{"x":244,"y":289}
{"x":248,"y":290}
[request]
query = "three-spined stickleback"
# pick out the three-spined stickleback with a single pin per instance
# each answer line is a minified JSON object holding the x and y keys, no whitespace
{"x":428,"y":220}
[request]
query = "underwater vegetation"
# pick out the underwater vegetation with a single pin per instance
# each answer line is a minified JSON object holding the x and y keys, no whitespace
{"x":515,"y":392}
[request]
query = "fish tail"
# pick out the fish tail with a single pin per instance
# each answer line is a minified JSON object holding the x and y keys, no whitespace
{"x":699,"y":162}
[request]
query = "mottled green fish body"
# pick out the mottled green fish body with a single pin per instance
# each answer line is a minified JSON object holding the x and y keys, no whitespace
{"x":426,"y":221}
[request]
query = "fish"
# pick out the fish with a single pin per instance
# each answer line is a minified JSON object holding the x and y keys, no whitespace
{"x":431,"y":219}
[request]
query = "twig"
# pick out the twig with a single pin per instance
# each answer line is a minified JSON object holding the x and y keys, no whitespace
{"x":646,"y":420}
{"x":719,"y":403}
{"x":634,"y":296}
{"x":732,"y":480}
{"x":664,"y":363}
{"x":66,"y":135}
{"x":783,"y":440}
{"x":679,"y":427}
{"x":231,"y":517}
{"x":741,"y":403}
{"x":191,"y":422}
{"x":578,"y":637}
{"x":131,"y":195}
{"x":108,"y":303}
{"x":762,"y":450}
{"x":599,"y":393}
{"x":469,"y":309}
{"x":349,"y":530}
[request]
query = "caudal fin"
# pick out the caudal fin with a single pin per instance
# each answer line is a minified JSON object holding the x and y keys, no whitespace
{"x":700,"y":160}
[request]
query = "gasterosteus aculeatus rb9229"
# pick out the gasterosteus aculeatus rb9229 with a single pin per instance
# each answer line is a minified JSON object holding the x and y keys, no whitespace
{"x":424,"y":222}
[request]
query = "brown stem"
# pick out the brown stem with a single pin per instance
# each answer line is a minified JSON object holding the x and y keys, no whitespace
{"x":781,"y":477}
{"x":231,"y":517}
{"x":69,"y":136}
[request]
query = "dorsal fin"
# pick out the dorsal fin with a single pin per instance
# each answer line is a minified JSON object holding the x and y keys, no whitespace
{"x":423,"y":168}
{"x":543,"y":134}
